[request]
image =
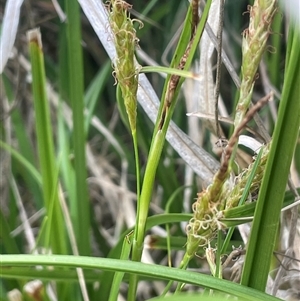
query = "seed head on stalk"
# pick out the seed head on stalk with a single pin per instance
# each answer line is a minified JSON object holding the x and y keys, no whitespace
{"x":253,"y":46}
{"x":126,"y":70}
{"x":222,"y":194}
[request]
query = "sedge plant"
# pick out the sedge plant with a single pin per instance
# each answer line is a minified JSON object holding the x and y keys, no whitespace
{"x":64,"y":156}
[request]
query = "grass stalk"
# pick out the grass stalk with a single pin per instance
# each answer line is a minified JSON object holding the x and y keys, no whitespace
{"x":126,"y":73}
{"x":181,"y":60}
{"x":80,"y":211}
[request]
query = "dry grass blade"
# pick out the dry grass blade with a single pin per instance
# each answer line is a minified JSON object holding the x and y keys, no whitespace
{"x":207,"y":85}
{"x":9,"y":30}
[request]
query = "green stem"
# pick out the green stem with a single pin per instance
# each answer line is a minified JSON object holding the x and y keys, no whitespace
{"x":137,"y":164}
{"x":160,"y":134}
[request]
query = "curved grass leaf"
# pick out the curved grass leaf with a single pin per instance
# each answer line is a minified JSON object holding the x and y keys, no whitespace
{"x":152,"y":271}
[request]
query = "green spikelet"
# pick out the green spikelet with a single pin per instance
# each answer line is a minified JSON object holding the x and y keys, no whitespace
{"x":126,"y":71}
{"x":240,"y":181}
{"x":208,"y":212}
{"x":253,"y":46}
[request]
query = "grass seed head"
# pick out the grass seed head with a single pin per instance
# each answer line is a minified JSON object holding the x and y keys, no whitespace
{"x":126,"y":70}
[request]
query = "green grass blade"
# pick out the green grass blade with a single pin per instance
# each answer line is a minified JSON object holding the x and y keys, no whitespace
{"x":45,"y":143}
{"x":152,"y":221}
{"x":80,"y":211}
{"x":191,"y":297}
{"x":126,"y":248}
{"x":170,"y":71}
{"x":148,"y":270}
{"x":66,"y":168}
{"x":58,"y":275}
{"x":21,"y":160}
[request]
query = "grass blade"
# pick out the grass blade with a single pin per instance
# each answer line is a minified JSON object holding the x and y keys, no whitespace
{"x":45,"y":144}
{"x":149,"y":270}
{"x":80,"y":210}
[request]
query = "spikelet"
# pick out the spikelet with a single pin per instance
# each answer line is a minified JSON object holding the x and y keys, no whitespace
{"x":126,"y":72}
{"x":253,"y":46}
{"x":240,"y":181}
{"x":208,"y":211}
